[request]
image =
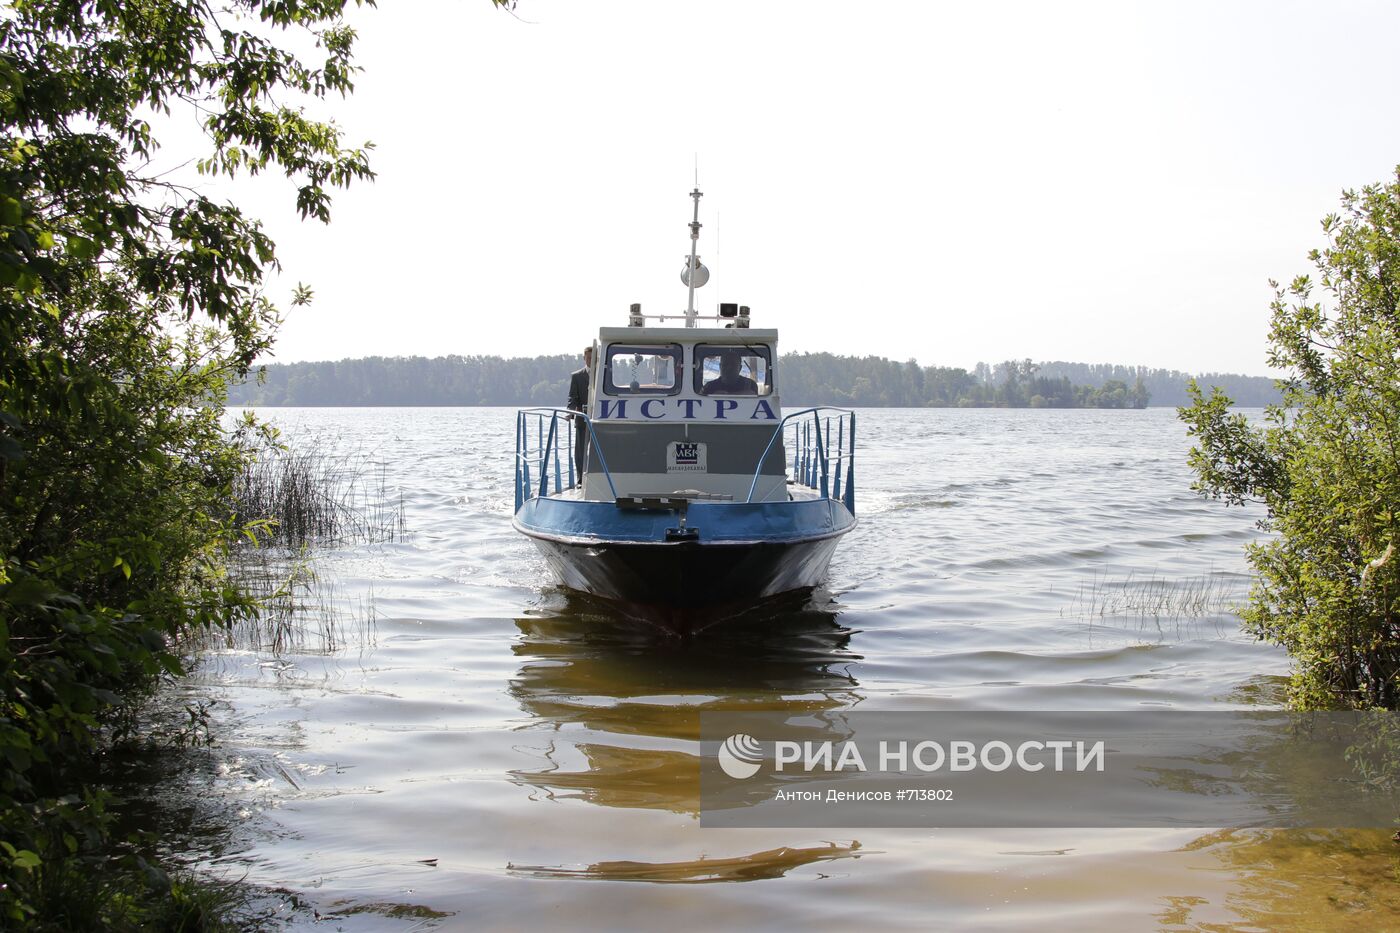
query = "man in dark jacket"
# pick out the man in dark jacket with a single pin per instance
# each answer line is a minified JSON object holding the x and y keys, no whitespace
{"x":729,"y":381}
{"x":578,"y":401}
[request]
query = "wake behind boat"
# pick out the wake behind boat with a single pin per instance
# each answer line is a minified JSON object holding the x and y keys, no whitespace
{"x":696,"y":492}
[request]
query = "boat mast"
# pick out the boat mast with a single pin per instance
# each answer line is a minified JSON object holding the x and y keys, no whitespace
{"x":693,"y":270}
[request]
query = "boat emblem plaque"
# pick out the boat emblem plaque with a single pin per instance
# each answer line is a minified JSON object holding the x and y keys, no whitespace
{"x":685,"y":457}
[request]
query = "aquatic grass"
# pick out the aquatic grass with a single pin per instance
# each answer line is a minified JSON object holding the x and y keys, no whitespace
{"x":302,"y":502}
{"x":1158,"y":598}
{"x":300,"y":609}
{"x":316,"y":495}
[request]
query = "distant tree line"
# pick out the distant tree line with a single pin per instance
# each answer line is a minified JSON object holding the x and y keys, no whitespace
{"x":1168,"y":386}
{"x":806,"y":378}
{"x":824,"y":378}
{"x":413,"y":380}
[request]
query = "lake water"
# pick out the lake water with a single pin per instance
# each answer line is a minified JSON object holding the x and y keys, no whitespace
{"x":475,"y":748}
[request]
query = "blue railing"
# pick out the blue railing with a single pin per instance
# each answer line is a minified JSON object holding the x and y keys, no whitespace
{"x":550,"y":444}
{"x":822,"y":443}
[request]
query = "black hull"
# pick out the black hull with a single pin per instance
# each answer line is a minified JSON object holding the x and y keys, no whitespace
{"x":667,"y":579}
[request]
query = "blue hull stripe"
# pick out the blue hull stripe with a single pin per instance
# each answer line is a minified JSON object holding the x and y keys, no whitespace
{"x":572,"y":520}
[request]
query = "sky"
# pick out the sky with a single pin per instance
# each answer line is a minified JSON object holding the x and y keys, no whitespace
{"x":947,"y":182}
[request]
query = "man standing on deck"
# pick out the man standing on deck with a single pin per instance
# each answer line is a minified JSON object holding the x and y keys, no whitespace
{"x":578,"y":401}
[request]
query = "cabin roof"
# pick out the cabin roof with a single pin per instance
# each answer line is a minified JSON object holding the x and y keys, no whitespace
{"x":688,"y":334}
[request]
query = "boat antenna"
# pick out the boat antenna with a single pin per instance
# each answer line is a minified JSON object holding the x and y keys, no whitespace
{"x":695,"y":274}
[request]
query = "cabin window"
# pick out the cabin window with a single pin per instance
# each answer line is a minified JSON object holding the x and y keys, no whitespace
{"x":643,"y":370}
{"x":741,"y":369}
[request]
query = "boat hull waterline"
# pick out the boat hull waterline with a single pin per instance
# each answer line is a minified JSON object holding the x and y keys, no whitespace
{"x":742,"y":552}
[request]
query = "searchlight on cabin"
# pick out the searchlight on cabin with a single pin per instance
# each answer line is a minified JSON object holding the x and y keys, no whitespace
{"x":694,"y":270}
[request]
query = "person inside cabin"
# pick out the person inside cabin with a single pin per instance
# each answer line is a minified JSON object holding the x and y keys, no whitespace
{"x":729,"y":382}
{"x":578,"y":401}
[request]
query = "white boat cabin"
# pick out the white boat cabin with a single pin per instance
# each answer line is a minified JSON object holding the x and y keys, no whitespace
{"x":686,"y":411}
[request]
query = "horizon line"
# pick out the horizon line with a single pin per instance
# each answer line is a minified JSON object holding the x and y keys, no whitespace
{"x":422,"y":356}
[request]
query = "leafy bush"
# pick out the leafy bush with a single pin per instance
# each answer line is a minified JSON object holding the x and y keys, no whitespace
{"x":1326,"y":463}
{"x":126,"y":304}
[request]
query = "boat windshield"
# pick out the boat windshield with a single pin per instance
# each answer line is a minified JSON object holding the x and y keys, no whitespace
{"x":643,"y":369}
{"x":733,"y":370}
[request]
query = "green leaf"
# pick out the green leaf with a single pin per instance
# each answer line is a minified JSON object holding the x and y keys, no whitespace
{"x":81,"y":248}
{"x":27,"y":860}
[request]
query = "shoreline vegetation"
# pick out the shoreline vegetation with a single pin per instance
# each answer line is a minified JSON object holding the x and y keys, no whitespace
{"x":130,"y":299}
{"x":1325,"y":464}
{"x":815,"y":378}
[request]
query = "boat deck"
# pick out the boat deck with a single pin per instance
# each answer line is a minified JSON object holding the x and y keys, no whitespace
{"x":796,"y":493}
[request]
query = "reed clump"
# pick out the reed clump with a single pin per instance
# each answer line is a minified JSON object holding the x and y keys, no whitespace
{"x":1153,"y":597}
{"x":313,"y":495}
{"x":301,"y":503}
{"x":300,"y":609}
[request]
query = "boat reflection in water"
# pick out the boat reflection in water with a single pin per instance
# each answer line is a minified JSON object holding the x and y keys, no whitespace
{"x":760,"y":866}
{"x":613,"y":715}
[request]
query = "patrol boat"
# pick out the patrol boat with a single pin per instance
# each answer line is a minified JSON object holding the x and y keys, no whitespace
{"x":698,"y":491}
